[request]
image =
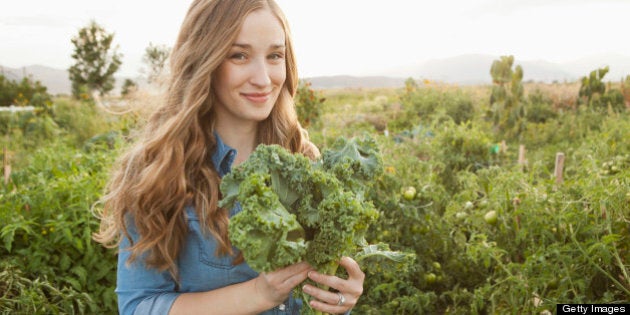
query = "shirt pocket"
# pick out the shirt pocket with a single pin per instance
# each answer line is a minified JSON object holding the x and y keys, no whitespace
{"x":207,"y":247}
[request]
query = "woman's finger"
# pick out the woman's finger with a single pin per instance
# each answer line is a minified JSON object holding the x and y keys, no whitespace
{"x":352,"y":267}
{"x":327,"y":308}
{"x":297,"y":276}
{"x":327,"y":280}
{"x":327,"y":297}
{"x":288,"y":273}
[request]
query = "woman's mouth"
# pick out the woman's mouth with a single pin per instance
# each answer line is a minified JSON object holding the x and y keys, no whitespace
{"x":257,"y":97}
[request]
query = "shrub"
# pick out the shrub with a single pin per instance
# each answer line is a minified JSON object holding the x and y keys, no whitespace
{"x":25,"y":92}
{"x":308,"y":104}
{"x":49,"y":224}
{"x":595,"y":95}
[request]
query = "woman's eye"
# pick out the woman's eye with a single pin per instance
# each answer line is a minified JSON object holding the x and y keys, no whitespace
{"x":276,"y":56}
{"x":238,"y":56}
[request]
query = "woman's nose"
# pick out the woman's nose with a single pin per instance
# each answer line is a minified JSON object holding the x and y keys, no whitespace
{"x":260,"y":73}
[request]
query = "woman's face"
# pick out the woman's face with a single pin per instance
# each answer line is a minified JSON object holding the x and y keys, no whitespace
{"x":249,"y":80}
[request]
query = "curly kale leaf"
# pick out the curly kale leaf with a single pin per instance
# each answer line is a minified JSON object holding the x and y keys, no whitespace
{"x":356,"y":162}
{"x":326,"y":198}
{"x":286,"y":170}
{"x":271,"y":236}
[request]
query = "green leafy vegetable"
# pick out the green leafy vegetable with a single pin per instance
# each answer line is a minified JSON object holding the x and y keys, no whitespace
{"x":295,"y":209}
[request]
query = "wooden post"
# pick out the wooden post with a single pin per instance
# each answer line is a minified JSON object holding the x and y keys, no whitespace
{"x":7,"y":166}
{"x":559,"y":167}
{"x":503,"y":147}
{"x":521,"y":155}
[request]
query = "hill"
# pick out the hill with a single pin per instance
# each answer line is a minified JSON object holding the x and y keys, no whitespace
{"x":464,"y":69}
{"x":56,"y":80}
{"x":475,"y":69}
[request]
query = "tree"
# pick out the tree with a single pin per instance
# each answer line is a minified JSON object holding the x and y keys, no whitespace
{"x":155,"y":57}
{"x":595,"y":94}
{"x":96,"y":61}
{"x":128,"y":87}
{"x":507,"y":106}
{"x":25,"y":92}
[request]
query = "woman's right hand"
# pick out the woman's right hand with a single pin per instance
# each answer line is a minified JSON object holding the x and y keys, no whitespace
{"x":274,"y":287}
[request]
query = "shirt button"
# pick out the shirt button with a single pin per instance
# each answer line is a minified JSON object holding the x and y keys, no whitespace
{"x":282,"y":307}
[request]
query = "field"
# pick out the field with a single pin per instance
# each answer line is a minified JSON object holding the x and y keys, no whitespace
{"x":471,"y":188}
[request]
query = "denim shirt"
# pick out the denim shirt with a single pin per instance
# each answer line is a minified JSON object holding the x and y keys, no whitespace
{"x":143,"y":290}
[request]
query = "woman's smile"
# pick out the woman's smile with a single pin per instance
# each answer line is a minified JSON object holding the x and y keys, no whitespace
{"x":257,"y":97}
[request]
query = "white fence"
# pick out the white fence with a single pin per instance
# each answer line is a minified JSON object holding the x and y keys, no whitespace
{"x":14,"y":108}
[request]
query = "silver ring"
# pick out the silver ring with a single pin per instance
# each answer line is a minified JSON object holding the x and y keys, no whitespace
{"x":342,"y":299}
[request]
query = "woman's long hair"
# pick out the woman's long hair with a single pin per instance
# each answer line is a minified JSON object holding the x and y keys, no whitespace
{"x":170,"y":165}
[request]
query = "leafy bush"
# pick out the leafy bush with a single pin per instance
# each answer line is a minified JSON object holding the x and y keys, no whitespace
{"x":81,"y":121}
{"x":594,"y":93}
{"x":308,"y":104}
{"x":22,"y":295}
{"x":539,"y":108}
{"x":507,"y":108}
{"x":427,"y":103}
{"x":459,"y":148}
{"x":48,"y":227}
{"x":25,"y":92}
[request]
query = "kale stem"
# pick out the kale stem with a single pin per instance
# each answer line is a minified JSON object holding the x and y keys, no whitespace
{"x":330,"y":270}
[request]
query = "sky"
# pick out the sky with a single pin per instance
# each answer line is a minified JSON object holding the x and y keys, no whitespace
{"x":355,"y":37}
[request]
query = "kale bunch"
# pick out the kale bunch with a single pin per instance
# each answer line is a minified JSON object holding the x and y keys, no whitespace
{"x":295,"y":209}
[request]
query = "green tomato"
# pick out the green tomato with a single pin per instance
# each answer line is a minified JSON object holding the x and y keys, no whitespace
{"x":460,"y":215}
{"x":491,"y":217}
{"x":437,"y":265}
{"x":430,"y":278}
{"x":409,"y":193}
{"x":468,"y":205}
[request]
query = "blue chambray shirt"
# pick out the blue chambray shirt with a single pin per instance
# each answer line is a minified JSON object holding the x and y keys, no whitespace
{"x":146,"y":291}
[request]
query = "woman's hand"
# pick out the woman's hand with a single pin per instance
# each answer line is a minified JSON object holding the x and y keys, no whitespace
{"x":348,"y":290}
{"x":274,"y":287}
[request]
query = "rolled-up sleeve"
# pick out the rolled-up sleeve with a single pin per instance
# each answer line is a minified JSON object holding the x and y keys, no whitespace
{"x":142,"y":290}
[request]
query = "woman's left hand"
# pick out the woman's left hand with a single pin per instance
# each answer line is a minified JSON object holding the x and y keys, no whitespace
{"x":348,"y":290}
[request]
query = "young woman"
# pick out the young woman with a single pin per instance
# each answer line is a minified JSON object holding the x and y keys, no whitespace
{"x":233,"y":78}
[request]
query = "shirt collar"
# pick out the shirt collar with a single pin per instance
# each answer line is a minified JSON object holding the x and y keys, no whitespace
{"x":223,"y":156}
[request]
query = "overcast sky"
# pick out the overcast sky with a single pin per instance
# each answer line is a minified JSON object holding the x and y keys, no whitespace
{"x":355,"y":37}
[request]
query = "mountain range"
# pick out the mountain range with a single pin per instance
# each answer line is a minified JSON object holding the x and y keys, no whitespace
{"x":464,"y":70}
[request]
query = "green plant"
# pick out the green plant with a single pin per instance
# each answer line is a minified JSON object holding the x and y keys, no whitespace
{"x":308,"y":104}
{"x":128,"y":87}
{"x":79,"y":122}
{"x":155,"y":57}
{"x":25,"y":92}
{"x":625,"y":90}
{"x":507,"y":108}
{"x":293,"y":210}
{"x":539,"y":108}
{"x":426,"y":104}
{"x":21,"y":295}
{"x":96,"y":61}
{"x":47,"y":229}
{"x":459,"y":148}
{"x":595,"y":95}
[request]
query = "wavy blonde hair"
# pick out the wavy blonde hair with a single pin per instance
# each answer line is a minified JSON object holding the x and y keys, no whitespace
{"x":170,"y":165}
